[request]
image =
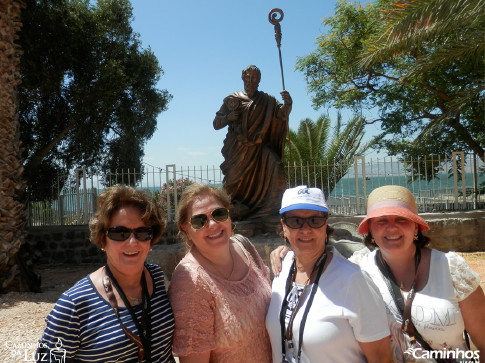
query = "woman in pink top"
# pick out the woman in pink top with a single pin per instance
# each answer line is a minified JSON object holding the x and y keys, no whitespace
{"x":220,"y":290}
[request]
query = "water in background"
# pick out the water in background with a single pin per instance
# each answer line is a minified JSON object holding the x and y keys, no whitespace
{"x":444,"y":185}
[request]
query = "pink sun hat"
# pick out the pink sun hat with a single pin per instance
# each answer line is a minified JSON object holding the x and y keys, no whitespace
{"x":391,"y":200}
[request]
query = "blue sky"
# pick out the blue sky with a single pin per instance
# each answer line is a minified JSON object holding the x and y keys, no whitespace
{"x":202,"y":47}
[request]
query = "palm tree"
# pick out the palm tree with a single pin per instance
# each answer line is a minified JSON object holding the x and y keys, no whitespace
{"x":455,"y":28}
{"x":12,"y":205}
{"x":318,"y":157}
{"x":436,"y":33}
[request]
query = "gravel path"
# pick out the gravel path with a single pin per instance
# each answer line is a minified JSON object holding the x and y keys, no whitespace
{"x":22,"y":314}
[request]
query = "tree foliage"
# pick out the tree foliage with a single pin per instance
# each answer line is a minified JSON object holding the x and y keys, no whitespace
{"x":418,"y":65}
{"x":327,"y":150}
{"x":88,"y":96}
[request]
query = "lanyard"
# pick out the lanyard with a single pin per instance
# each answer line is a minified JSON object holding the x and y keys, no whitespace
{"x":404,"y":307}
{"x":286,"y":332}
{"x":390,"y":280}
{"x":144,"y":329}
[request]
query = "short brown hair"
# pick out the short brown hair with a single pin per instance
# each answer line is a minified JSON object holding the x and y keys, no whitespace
{"x":190,"y":195}
{"x":250,"y":68}
{"x":118,"y":196}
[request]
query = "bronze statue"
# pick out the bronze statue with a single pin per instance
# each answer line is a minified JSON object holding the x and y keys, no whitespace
{"x":253,"y":148}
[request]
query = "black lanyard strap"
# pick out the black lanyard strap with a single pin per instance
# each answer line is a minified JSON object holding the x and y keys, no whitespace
{"x":144,"y":328}
{"x":284,"y":306}
{"x":390,"y":280}
{"x":404,"y":307}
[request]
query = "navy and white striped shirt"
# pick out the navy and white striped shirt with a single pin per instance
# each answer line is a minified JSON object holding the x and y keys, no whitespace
{"x":90,"y":332}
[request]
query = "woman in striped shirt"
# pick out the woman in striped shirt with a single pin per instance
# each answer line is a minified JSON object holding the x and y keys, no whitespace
{"x":120,"y":312}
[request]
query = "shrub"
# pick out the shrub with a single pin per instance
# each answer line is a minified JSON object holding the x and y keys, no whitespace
{"x":168,"y":188}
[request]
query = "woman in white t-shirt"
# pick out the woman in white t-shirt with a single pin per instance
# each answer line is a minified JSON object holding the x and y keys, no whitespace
{"x":440,"y":293}
{"x":323,"y":308}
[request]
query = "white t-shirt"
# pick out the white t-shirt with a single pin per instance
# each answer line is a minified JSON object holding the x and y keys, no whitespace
{"x":346,"y":309}
{"x":435,"y":311}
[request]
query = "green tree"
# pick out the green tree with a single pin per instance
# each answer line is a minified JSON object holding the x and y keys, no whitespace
{"x":418,"y":65}
{"x":88,"y":96}
{"x":326,"y":151}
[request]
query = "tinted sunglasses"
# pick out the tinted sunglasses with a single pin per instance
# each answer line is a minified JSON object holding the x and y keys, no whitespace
{"x":200,"y":220}
{"x":298,"y":222}
{"x":121,"y":233}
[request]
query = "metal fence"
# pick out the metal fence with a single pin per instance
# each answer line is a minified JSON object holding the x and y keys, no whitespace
{"x":457,"y":183}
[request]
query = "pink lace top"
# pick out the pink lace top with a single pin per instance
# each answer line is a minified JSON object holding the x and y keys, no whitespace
{"x":224,"y":317}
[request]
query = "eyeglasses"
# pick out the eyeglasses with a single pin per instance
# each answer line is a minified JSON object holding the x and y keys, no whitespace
{"x":200,"y":220}
{"x":298,"y":222}
{"x":121,"y":233}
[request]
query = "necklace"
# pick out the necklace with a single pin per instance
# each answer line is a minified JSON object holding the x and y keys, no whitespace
{"x":384,"y":266}
{"x":215,"y":267}
{"x":404,"y":307}
{"x":134,"y":300}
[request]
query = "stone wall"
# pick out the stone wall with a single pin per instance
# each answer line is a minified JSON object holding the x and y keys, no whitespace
{"x":462,"y":232}
{"x":62,"y":244}
{"x":449,"y":231}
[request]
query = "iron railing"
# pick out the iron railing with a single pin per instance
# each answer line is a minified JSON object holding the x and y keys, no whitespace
{"x":438,"y":184}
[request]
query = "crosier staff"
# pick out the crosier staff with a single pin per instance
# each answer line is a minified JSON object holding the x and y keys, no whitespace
{"x":275,"y":16}
{"x":275,"y":20}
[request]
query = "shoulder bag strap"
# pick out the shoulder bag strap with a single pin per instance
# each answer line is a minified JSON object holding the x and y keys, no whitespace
{"x":411,"y":330}
{"x":114,"y":304}
{"x":388,"y":277}
{"x":403,"y":306}
{"x":249,"y":247}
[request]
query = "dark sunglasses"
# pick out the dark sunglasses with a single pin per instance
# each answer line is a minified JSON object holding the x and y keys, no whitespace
{"x":200,"y":220}
{"x":298,"y":222}
{"x":121,"y":233}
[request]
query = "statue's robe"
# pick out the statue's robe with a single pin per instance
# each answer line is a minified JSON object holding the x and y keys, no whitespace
{"x":253,"y":150}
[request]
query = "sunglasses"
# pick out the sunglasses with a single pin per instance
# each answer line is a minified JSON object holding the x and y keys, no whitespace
{"x":200,"y":220}
{"x":298,"y":222}
{"x":121,"y":233}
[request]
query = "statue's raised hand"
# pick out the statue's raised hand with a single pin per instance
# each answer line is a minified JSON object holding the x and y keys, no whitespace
{"x":286,"y":98}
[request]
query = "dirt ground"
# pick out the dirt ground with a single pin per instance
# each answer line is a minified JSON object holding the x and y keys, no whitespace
{"x":22,"y":314}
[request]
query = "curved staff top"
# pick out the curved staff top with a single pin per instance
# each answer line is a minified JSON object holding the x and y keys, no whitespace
{"x":275,"y":20}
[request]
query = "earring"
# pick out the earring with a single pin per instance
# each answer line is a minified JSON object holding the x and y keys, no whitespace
{"x":102,"y":249}
{"x":151,"y":249}
{"x":373,"y":241}
{"x":415,"y":237}
{"x":189,"y":243}
{"x":233,"y":228}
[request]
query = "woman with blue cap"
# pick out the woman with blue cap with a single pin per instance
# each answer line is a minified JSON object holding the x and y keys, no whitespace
{"x":323,"y":308}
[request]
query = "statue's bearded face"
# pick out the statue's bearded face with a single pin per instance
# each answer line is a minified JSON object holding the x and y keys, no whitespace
{"x":251,"y":82}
